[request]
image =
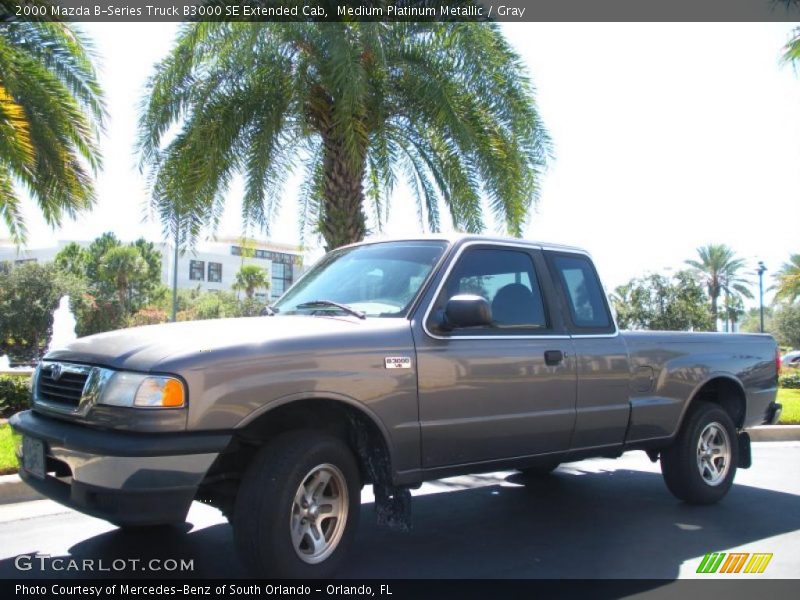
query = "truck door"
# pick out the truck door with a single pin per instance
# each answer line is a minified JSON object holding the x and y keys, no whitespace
{"x":603,"y":407}
{"x":502,"y":391}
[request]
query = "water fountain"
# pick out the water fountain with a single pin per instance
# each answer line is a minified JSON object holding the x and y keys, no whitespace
{"x":63,"y":325}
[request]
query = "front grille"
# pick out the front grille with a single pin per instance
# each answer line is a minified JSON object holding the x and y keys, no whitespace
{"x":66,"y":389}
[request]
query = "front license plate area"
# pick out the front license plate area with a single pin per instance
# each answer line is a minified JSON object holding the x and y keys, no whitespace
{"x":33,"y":460}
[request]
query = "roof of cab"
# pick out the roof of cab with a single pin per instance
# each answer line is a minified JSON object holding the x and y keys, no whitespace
{"x":454,"y":238}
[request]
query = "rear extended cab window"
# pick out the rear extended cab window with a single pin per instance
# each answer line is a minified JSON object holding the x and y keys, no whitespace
{"x":579,"y":286}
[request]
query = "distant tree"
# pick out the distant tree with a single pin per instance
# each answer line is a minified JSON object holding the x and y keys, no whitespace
{"x":788,"y":285}
{"x":142,"y":284}
{"x":250,"y":278}
{"x":786,"y":325}
{"x":96,"y":314}
{"x":148,"y":287}
{"x":732,"y":311}
{"x":718,"y":268}
{"x":29,"y":293}
{"x":72,"y":259}
{"x":51,"y":110}
{"x":627,"y":310}
{"x":94,"y":255}
{"x":121,"y":268}
{"x":751,"y":322}
{"x":658,"y":303}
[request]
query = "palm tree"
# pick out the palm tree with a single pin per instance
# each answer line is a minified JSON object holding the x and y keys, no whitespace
{"x":788,"y":286}
{"x":446,"y":107}
{"x":718,"y":268}
{"x":122,"y":267}
{"x":791,"y":52}
{"x":732,"y":310}
{"x":251,"y":278}
{"x":51,"y":111}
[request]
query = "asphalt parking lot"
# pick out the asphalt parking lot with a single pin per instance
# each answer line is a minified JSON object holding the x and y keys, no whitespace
{"x":597,"y":518}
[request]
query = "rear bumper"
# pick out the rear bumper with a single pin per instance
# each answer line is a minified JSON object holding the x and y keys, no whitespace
{"x":126,"y":478}
{"x":761,"y":407}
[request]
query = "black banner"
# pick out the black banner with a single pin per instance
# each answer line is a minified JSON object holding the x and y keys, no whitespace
{"x":400,"y":10}
{"x":481,"y":589}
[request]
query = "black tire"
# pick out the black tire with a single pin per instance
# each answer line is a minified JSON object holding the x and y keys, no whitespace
{"x":265,"y":506}
{"x":681,"y":462}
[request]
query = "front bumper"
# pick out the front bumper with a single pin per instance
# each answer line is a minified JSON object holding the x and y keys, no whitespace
{"x":123,"y":477}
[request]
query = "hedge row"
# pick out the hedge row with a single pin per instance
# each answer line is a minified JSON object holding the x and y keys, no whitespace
{"x":791,"y":381}
{"x":15,"y":395}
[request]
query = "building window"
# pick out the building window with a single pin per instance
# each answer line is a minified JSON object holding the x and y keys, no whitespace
{"x":197,"y":270}
{"x":214,"y":272}
{"x":281,"y":278}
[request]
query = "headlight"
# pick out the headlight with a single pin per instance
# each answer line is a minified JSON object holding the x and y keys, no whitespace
{"x":143,"y":391}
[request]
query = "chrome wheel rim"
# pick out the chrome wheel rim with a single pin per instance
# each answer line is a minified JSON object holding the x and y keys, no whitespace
{"x":713,"y":453}
{"x":319,"y":513}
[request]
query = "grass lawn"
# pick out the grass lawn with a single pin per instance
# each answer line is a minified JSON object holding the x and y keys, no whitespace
{"x":790,"y":399}
{"x":8,"y":443}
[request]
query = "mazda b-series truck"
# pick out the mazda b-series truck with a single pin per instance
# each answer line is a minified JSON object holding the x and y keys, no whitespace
{"x":388,"y":363}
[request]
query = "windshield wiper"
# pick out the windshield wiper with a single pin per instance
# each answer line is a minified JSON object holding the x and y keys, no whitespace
{"x":344,"y":307}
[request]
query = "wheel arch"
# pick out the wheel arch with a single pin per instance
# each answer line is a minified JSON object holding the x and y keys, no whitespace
{"x":722,"y":389}
{"x":333,"y":413}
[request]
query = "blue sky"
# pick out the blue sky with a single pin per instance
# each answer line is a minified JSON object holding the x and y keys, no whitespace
{"x":667,"y":137}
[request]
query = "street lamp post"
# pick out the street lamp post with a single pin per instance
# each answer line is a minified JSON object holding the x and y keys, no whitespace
{"x":761,"y":269}
{"x":175,"y":269}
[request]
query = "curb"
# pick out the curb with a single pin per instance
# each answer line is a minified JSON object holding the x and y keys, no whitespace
{"x":13,"y":489}
{"x":775,"y":433}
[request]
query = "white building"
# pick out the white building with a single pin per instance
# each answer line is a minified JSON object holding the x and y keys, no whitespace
{"x":211,"y":266}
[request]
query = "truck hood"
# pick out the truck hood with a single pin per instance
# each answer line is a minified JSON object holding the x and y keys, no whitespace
{"x":149,"y":348}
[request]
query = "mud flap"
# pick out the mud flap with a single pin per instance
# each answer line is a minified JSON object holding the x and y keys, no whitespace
{"x":393,"y":507}
{"x":745,"y":453}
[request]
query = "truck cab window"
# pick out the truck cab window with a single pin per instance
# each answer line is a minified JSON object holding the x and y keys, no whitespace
{"x":506,"y":279}
{"x":584,"y":294}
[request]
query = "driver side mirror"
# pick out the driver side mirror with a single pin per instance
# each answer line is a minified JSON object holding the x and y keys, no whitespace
{"x":466,"y":310}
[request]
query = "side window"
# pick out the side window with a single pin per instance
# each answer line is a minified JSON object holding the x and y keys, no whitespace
{"x":585,"y":296}
{"x":507,"y":279}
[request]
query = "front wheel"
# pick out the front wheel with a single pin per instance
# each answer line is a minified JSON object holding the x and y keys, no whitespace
{"x":297,"y":507}
{"x":700,"y":465}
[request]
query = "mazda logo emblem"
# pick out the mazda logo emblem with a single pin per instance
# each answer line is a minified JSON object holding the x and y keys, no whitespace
{"x":55,"y":371}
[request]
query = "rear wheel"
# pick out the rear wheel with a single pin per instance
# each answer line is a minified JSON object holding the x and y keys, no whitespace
{"x":297,"y":507}
{"x":700,"y":465}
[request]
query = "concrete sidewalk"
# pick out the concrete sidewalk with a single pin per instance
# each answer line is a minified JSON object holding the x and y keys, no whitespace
{"x":13,"y":489}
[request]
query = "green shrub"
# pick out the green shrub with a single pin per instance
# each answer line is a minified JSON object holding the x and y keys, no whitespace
{"x":15,"y":395}
{"x":790,"y":381}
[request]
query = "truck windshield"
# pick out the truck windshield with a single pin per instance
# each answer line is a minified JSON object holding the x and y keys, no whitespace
{"x":379,"y":280}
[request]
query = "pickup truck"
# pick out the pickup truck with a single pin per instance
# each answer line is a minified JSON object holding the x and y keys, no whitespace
{"x":388,"y":363}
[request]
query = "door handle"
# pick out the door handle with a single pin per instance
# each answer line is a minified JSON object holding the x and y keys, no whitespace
{"x":553,"y":357}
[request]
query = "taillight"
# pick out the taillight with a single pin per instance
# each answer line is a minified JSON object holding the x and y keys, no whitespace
{"x":778,"y":361}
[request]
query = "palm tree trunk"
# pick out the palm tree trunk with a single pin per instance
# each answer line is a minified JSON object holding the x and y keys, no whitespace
{"x":343,"y":219}
{"x":714,"y":293}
